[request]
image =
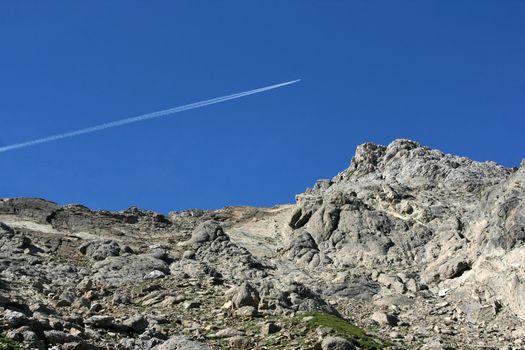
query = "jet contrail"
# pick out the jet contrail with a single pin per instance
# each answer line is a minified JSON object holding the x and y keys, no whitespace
{"x":143,"y":117}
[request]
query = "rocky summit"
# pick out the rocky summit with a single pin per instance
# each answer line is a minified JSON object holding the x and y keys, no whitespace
{"x":408,"y":248}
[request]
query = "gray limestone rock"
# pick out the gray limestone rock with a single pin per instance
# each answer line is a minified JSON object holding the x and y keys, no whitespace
{"x":6,"y":230}
{"x":58,"y":337}
{"x":405,"y":231}
{"x":136,"y":323}
{"x":101,"y":321}
{"x":384,"y":319}
{"x":34,"y":208}
{"x":119,"y":270}
{"x":336,"y":343}
{"x":181,"y":343}
{"x":99,"y":250}
{"x":154,"y":275}
{"x":208,"y":231}
{"x":246,"y":295}
{"x":269,"y":328}
{"x":227,"y":333}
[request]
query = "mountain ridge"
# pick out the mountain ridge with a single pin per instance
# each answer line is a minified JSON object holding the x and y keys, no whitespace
{"x":420,"y":248}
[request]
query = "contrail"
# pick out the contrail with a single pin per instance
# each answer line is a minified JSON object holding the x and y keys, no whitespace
{"x":142,"y":117}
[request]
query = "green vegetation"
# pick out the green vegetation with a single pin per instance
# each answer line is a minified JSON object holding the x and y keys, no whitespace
{"x":224,"y":344}
{"x":343,"y":329}
{"x":8,"y":344}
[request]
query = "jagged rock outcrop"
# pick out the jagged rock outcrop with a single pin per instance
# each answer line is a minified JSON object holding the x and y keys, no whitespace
{"x":443,"y":218}
{"x":421,"y":248}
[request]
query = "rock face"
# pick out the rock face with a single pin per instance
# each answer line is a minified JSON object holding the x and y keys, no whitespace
{"x":447,"y":221}
{"x":417,"y":248}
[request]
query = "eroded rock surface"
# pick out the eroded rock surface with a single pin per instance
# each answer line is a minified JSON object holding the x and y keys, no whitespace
{"x":418,"y":248}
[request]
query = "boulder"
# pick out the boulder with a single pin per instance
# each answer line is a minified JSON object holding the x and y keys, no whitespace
{"x":99,"y":250}
{"x":58,"y":337}
{"x":269,"y":328}
{"x":181,"y":343}
{"x":155,"y":274}
{"x":384,"y":319}
{"x":207,"y":231}
{"x":336,"y":343}
{"x":119,"y":270}
{"x":101,"y":321}
{"x":6,"y":230}
{"x":246,"y":295}
{"x":136,"y":324}
{"x":227,"y":333}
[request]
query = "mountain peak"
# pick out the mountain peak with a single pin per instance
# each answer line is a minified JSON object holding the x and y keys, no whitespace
{"x":406,"y":236}
{"x":408,"y":163}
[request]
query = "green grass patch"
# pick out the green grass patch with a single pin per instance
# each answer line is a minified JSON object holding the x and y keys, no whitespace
{"x":8,"y":344}
{"x":343,"y":329}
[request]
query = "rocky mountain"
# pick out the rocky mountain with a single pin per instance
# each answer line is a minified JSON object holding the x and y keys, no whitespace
{"x":407,"y":248}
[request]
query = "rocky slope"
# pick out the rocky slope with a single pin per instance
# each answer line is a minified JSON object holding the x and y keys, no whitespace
{"x":407,"y":248}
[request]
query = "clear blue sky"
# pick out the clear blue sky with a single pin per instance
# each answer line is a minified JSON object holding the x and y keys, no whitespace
{"x":449,"y":74}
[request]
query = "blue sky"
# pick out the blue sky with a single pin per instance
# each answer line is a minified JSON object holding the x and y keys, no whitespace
{"x":449,"y":74}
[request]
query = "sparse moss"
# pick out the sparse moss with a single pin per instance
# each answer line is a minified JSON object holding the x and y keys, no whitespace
{"x":343,"y":329}
{"x":8,"y":344}
{"x":224,"y":344}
